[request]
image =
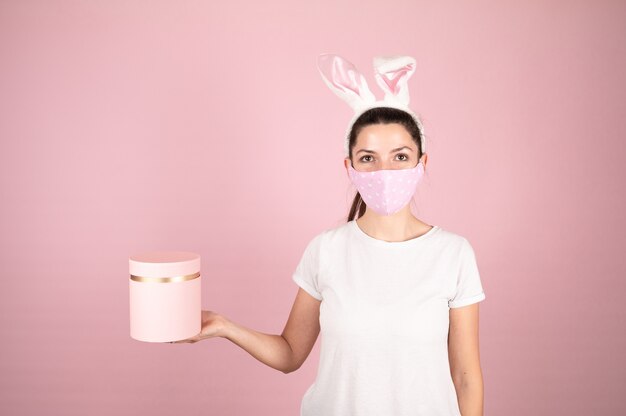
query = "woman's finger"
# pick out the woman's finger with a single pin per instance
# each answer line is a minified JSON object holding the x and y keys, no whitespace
{"x":185,"y":341}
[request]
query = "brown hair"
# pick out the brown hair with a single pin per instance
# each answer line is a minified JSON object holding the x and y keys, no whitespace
{"x":380,"y":115}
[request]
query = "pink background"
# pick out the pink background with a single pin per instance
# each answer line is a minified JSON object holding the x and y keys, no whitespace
{"x":128,"y":126}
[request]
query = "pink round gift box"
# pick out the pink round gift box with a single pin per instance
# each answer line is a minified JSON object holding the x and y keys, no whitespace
{"x":165,"y":293}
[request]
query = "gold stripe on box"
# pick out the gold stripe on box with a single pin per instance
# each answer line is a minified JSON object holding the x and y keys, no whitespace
{"x":164,"y":279}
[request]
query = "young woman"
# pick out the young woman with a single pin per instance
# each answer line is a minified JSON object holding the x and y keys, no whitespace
{"x":396,"y":299}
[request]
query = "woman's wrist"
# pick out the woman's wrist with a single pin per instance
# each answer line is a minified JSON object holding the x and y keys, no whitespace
{"x":225,"y":327}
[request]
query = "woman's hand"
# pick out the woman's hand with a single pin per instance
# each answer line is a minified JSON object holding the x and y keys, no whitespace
{"x":213,"y":325}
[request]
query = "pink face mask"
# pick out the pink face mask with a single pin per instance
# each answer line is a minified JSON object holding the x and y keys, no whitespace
{"x":386,"y":191}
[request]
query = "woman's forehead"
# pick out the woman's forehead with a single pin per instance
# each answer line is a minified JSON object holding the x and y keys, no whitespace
{"x":384,"y":138}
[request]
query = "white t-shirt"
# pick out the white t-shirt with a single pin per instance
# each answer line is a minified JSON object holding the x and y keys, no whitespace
{"x":384,"y":318}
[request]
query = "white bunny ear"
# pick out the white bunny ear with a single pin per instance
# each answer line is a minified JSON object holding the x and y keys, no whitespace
{"x":392,"y":74}
{"x":345,"y":80}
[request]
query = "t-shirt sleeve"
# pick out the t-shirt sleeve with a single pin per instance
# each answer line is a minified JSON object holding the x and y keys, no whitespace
{"x":307,"y":271}
{"x":469,"y":288}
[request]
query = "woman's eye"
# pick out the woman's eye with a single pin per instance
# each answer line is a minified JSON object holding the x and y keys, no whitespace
{"x":406,"y":157}
{"x":364,"y":158}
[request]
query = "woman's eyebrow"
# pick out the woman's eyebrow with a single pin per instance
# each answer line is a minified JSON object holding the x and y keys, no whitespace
{"x":392,"y":150}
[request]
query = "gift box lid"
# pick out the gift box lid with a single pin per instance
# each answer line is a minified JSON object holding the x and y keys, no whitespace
{"x":164,"y":263}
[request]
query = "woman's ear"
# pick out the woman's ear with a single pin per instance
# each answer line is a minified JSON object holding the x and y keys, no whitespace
{"x":347,"y":163}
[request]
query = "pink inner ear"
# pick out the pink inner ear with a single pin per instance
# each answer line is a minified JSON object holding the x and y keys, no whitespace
{"x":392,"y":78}
{"x":342,"y":74}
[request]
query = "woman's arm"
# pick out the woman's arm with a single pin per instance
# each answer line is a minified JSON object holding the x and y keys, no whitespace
{"x":285,"y":352}
{"x":463,"y":353}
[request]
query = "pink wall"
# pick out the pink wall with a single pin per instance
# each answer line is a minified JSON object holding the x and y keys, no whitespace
{"x":204,"y":126}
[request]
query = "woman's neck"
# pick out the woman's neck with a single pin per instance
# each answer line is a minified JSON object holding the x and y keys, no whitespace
{"x":400,"y":226}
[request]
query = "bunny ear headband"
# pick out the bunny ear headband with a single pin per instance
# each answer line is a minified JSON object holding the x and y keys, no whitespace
{"x":392,"y":74}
